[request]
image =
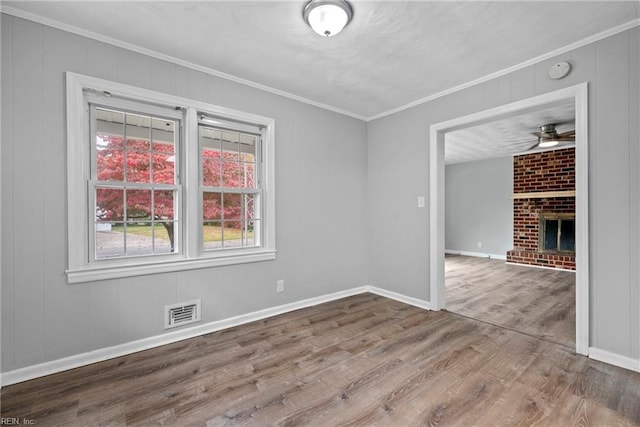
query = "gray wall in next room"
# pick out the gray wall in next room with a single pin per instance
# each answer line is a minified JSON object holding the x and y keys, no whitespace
{"x":478,"y":206}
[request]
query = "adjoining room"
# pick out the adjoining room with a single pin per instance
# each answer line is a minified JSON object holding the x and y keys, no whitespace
{"x":510,"y":223}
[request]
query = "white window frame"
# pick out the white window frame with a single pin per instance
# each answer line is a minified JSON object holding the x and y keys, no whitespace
{"x":81,"y":266}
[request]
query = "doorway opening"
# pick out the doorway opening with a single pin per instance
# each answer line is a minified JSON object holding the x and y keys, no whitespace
{"x":578,"y":96}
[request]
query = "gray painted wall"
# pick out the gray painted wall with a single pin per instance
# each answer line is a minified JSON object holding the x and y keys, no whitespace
{"x":399,"y":232}
{"x":320,"y":190}
{"x":479,"y":207}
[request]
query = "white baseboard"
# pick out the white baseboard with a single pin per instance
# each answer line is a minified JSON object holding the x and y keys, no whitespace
{"x":75,"y":361}
{"x":82,"y":359}
{"x":475,"y":254}
{"x":399,"y":297}
{"x":614,"y":359}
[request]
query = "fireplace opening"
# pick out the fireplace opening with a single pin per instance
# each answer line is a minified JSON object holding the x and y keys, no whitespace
{"x":557,"y":233}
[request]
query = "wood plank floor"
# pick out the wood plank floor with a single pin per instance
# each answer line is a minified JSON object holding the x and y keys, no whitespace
{"x":359,"y":361}
{"x":536,"y":301}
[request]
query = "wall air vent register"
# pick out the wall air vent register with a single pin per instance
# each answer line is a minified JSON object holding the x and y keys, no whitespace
{"x":181,"y":314}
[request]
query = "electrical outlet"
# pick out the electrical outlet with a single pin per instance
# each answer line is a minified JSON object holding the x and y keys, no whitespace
{"x":421,"y":201}
{"x":479,"y":244}
{"x":280,"y":286}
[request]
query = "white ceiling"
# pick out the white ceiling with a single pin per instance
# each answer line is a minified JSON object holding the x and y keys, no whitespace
{"x":394,"y":53}
{"x":509,"y":136}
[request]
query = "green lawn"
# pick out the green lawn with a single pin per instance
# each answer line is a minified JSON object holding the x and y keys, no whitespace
{"x":211,"y":233}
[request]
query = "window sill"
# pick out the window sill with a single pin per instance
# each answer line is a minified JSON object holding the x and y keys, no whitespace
{"x":95,"y":273}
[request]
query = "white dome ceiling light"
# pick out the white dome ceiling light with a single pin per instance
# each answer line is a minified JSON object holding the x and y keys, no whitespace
{"x":327,"y":17}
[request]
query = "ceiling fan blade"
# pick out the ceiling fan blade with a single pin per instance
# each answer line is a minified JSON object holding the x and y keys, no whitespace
{"x":569,"y":133}
{"x":566,"y":138}
{"x":533,"y":146}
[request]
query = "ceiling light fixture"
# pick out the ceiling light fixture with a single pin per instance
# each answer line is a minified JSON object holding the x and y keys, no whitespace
{"x":327,"y":17}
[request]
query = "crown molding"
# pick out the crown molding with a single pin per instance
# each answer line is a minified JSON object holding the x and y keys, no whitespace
{"x":132,"y":47}
{"x":168,"y":58}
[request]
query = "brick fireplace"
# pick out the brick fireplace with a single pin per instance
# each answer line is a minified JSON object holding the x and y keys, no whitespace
{"x":544,"y":209}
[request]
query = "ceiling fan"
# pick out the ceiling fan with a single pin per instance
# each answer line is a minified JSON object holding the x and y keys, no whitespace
{"x":549,"y":136}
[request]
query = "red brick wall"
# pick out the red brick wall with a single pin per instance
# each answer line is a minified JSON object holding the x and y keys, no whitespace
{"x":547,"y":171}
{"x":565,"y":262}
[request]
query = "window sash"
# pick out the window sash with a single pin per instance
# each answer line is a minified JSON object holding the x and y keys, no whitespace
{"x":243,"y":220}
{"x":94,"y":186}
{"x":216,"y":124}
{"x":152,"y":112}
{"x":135,"y":108}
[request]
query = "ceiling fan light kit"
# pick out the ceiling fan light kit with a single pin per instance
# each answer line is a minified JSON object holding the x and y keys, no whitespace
{"x":546,"y":143}
{"x":327,"y":17}
{"x":549,"y":136}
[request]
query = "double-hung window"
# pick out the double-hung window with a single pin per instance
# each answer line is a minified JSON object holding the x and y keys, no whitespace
{"x":160,"y":183}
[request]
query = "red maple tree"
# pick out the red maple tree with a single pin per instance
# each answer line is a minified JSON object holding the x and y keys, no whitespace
{"x":145,"y":162}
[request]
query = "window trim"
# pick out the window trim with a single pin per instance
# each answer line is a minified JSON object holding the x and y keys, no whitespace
{"x":80,"y":269}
